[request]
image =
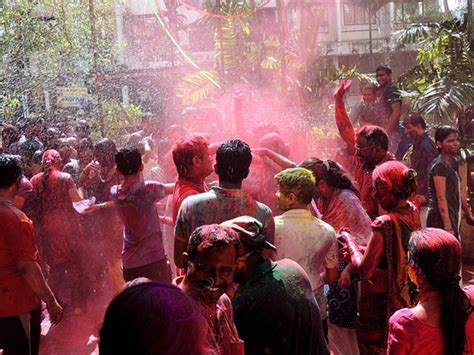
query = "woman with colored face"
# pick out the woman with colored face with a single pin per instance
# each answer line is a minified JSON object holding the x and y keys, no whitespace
{"x":444,"y":195}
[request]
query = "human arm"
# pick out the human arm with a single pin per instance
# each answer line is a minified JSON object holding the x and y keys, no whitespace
{"x":394,"y":119}
{"x":31,"y":272}
{"x":74,"y":194}
{"x":278,"y":159}
{"x":343,"y":122}
{"x":169,"y":188}
{"x":440,"y":189}
{"x":345,"y":277}
{"x":166,"y":220}
{"x":365,"y":263}
{"x":100,"y":206}
{"x":467,"y":211}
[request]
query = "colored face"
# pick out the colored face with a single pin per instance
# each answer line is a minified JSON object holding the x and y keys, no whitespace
{"x":206,"y":161}
{"x":450,"y":145}
{"x":211,"y":273}
{"x":384,"y":195}
{"x":383,"y":78}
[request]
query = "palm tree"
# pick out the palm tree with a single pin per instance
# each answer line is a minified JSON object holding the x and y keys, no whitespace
{"x":441,"y":85}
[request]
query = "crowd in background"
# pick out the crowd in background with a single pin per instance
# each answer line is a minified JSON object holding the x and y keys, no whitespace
{"x":232,"y":247}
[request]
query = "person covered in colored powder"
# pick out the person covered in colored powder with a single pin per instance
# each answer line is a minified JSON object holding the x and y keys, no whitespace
{"x":21,"y":279}
{"x":337,"y":200}
{"x":143,"y":254}
{"x":442,"y":322}
{"x":60,"y":232}
{"x":193,"y":162}
{"x":370,"y":144}
{"x":301,"y":237}
{"x":224,"y":202}
{"x":209,"y":264}
{"x":274,"y":307}
{"x":383,"y":266}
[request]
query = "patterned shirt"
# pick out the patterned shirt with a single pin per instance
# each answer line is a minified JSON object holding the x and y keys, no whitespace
{"x":219,"y":205}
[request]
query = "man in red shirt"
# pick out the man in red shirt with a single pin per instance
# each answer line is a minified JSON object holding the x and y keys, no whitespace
{"x":194,"y":163}
{"x":21,"y":281}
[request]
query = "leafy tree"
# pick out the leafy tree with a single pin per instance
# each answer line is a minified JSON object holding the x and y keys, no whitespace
{"x":441,"y":85}
{"x":49,"y":43}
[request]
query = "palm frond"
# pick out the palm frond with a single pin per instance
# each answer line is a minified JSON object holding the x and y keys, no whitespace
{"x":196,"y":87}
{"x":414,"y":33}
{"x":443,"y":99}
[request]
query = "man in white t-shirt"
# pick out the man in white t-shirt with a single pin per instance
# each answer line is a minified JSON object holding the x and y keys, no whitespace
{"x":302,"y":237}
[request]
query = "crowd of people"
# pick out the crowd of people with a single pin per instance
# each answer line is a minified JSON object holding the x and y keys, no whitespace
{"x":229,"y":248}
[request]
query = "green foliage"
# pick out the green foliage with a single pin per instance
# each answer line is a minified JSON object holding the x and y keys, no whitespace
{"x":196,"y":87}
{"x":120,"y":118}
{"x":442,"y":82}
{"x":48,"y":43}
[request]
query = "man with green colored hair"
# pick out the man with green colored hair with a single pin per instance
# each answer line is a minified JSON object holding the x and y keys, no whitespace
{"x":302,"y":237}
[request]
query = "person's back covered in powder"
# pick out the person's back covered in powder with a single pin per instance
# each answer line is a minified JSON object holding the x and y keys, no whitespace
{"x":274,"y":309}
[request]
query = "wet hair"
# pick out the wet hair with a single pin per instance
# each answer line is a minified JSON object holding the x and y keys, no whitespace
{"x":385,"y":67}
{"x":331,"y":173}
{"x":211,"y":236}
{"x":128,"y":160}
{"x":84,"y":144}
{"x":437,"y":254}
{"x":401,"y":180}
{"x":106,"y":147}
{"x":299,"y":181}
{"x":374,"y":135}
{"x":185,"y":149}
{"x":10,"y":170}
{"x":416,"y":119}
{"x":153,"y":318}
{"x":10,"y":134}
{"x":233,"y":159}
{"x":51,"y":160}
{"x":37,"y":157}
{"x":443,"y":132}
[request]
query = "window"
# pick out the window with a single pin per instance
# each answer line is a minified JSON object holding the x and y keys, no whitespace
{"x":356,"y":15}
{"x":320,"y":11}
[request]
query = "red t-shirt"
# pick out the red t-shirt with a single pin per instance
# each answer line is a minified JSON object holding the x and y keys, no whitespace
{"x":17,"y":243}
{"x":183,"y":189}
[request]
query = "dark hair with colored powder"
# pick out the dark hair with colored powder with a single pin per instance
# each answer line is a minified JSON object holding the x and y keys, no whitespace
{"x":153,"y":318}
{"x":331,"y":173}
{"x":233,"y":159}
{"x":438,"y":255}
{"x":211,"y":236}
{"x":128,"y":160}
{"x":299,"y":181}
{"x":185,"y":149}
{"x":443,"y":132}
{"x":398,"y":177}
{"x":106,"y":147}
{"x":10,"y":170}
{"x":374,"y":135}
